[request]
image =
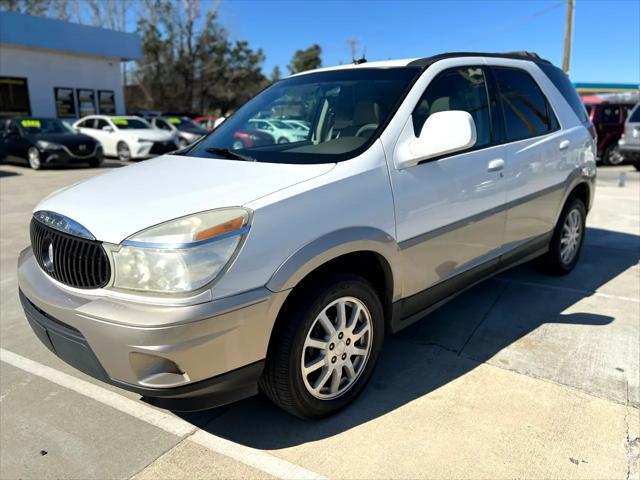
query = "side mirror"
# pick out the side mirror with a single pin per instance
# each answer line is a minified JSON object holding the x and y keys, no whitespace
{"x":443,"y":132}
{"x":107,"y":128}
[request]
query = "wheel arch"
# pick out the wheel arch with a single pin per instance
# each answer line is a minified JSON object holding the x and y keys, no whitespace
{"x":365,"y":251}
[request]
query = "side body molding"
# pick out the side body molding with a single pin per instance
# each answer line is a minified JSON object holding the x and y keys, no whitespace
{"x":333,"y":245}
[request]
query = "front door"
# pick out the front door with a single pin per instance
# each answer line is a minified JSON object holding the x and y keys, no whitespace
{"x":450,"y":210}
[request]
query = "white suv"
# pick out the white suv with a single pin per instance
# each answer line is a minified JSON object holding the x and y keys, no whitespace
{"x":128,"y":138}
{"x":216,"y":271}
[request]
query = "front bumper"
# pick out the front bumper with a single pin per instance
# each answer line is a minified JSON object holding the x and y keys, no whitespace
{"x":63,"y":156}
{"x":629,"y":151}
{"x":143,"y":150}
{"x":188,"y":357}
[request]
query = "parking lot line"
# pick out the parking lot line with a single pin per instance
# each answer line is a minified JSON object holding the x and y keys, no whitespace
{"x":249,"y":456}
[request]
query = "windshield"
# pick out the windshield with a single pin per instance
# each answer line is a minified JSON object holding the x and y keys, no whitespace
{"x":129,"y":123}
{"x":37,"y":126}
{"x":182,"y":122}
{"x":345,"y":111}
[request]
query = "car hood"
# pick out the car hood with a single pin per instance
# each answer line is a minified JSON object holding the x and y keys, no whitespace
{"x":117,"y":204}
{"x":66,"y":139}
{"x":149,"y":134}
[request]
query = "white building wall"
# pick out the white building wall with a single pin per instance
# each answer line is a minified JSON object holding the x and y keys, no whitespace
{"x":46,"y":69}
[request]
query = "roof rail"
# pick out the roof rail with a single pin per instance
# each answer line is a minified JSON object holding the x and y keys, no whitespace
{"x":427,"y":61}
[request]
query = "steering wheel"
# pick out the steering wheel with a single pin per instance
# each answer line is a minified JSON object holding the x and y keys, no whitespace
{"x":366,"y":128}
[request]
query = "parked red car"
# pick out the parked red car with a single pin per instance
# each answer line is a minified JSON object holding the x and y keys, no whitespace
{"x":206,"y":121}
{"x":608,"y":119}
{"x":251,"y":138}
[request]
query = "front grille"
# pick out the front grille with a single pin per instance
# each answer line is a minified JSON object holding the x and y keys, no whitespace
{"x":162,"y":147}
{"x":71,"y":260}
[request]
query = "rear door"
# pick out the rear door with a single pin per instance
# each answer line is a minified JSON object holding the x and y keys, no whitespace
{"x":539,"y":155}
{"x":449,"y":210}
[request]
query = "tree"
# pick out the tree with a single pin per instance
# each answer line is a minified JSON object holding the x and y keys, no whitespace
{"x":276,"y":74}
{"x":306,"y":59}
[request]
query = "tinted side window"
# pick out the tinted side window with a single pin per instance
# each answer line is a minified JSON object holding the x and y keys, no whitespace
{"x":565,"y":87}
{"x":611,"y":114}
{"x":87,"y":123}
{"x":524,"y":106}
{"x":101,"y":122}
{"x":461,"y":88}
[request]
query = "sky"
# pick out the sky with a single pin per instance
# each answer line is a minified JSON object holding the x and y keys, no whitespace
{"x":606,"y":35}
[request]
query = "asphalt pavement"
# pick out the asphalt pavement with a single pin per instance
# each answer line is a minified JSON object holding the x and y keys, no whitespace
{"x":525,"y":376}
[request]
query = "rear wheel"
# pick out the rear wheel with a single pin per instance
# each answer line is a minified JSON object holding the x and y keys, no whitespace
{"x":612,"y":156}
{"x":566,"y":243}
{"x":326,"y":347}
{"x":33,"y":155}
{"x":283,"y":140}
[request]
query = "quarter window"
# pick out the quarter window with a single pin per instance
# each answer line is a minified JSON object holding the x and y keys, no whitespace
{"x":526,"y":110}
{"x":88,"y":123}
{"x":462,"y":88}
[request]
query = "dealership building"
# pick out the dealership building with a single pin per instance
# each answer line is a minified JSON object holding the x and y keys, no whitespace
{"x":52,"y":68}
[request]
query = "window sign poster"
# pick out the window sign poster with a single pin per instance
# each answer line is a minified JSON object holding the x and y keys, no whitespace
{"x":65,"y":102}
{"x":86,"y":102}
{"x":106,"y":102}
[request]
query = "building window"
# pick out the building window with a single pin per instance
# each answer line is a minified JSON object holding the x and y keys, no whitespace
{"x":65,"y":102}
{"x":14,"y":96}
{"x":106,"y":102}
{"x":86,"y":102}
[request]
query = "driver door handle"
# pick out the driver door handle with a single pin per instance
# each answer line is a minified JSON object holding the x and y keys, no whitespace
{"x":495,"y":165}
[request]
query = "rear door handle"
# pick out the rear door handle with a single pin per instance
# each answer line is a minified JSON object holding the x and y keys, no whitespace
{"x":495,"y":165}
{"x":564,"y":144}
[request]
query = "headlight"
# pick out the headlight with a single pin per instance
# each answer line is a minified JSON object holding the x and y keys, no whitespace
{"x":181,"y":255}
{"x":48,"y":145}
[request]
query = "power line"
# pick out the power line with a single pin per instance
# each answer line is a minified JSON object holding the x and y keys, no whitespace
{"x":514,"y":23}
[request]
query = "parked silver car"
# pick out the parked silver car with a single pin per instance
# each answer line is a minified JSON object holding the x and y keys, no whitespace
{"x":629,"y":143}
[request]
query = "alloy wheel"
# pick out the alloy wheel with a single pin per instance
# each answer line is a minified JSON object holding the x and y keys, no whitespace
{"x":34,"y":158}
{"x":336,"y":348}
{"x":124,"y":153}
{"x":571,"y":236}
{"x":614,"y":157}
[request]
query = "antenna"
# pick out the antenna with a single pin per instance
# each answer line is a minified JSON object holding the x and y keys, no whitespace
{"x":353,"y":43}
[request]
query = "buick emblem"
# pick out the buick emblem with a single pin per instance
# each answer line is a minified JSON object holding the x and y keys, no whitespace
{"x":47,"y":255}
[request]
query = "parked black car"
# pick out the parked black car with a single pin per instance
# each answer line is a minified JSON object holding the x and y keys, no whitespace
{"x":44,"y":142}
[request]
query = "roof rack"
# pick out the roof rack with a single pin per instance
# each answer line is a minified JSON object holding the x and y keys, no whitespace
{"x":427,"y":61}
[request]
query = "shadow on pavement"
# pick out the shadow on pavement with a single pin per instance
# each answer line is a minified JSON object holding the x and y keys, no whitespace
{"x":5,"y":173}
{"x":437,"y":350}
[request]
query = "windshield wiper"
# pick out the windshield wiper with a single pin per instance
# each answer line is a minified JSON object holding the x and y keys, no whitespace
{"x":226,"y":153}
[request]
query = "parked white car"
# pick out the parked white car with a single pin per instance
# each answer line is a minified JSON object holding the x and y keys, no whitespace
{"x":297,"y":124}
{"x":210,"y":272}
{"x":279,"y":130}
{"x":184,"y":129}
{"x":127,"y":137}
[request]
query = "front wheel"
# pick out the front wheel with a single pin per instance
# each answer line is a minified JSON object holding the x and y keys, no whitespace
{"x":33,"y":155}
{"x":325,"y":348}
{"x":568,"y":236}
{"x":124,"y":153}
{"x":282,"y":140}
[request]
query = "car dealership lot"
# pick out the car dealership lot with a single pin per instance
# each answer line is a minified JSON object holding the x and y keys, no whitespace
{"x":522,"y":376}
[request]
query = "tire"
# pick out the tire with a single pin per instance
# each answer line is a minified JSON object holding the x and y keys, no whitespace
{"x":636,"y":165}
{"x":183,"y":143}
{"x":33,"y":156}
{"x":283,"y":380}
{"x":555,"y":261}
{"x":283,"y":140}
{"x":124,"y":153}
{"x":612,"y":156}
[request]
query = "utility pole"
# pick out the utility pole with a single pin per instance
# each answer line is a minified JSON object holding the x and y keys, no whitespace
{"x":568,"y":32}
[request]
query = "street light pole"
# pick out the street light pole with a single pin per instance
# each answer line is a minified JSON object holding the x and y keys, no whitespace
{"x":568,"y":31}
